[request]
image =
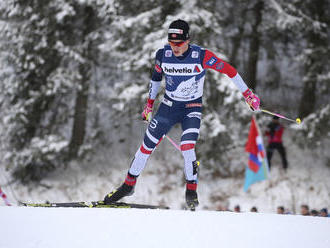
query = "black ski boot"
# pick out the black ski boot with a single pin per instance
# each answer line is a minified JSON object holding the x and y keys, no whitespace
{"x":191,"y":195}
{"x":126,"y":189}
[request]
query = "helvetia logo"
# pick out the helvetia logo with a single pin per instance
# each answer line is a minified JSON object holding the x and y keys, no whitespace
{"x":175,"y":70}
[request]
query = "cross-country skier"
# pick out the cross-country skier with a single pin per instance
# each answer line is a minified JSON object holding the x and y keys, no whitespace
{"x":184,"y":66}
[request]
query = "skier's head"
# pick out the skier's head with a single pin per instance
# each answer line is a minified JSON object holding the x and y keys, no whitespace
{"x":178,"y":37}
{"x":275,"y":118}
{"x":178,"y":30}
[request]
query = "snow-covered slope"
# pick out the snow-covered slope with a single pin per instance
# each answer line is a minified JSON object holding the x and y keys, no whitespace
{"x":69,"y":227}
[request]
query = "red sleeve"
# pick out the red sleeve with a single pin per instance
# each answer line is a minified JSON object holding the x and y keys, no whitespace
{"x":215,"y":63}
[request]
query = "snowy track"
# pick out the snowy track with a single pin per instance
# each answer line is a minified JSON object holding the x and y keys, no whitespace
{"x":68,"y":227}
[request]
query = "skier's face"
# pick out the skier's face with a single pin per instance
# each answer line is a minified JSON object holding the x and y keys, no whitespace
{"x":179,"y":46}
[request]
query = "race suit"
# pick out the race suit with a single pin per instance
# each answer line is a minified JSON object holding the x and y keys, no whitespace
{"x":182,"y":102}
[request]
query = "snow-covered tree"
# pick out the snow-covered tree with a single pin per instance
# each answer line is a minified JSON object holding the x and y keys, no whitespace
{"x":308,"y":21}
{"x":314,"y":134}
{"x":51,"y":47}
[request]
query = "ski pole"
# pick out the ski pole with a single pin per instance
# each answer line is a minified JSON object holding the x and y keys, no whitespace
{"x":173,"y":143}
{"x":298,"y":121}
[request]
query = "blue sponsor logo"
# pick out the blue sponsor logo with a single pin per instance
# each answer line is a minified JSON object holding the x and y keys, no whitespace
{"x":211,"y":61}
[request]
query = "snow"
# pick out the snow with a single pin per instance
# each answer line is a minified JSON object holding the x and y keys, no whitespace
{"x":284,"y":19}
{"x":74,"y":227}
{"x":66,"y":10}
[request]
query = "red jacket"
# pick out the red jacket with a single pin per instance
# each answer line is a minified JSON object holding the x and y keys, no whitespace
{"x":274,"y":132}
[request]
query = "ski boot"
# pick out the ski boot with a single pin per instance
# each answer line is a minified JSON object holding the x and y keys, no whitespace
{"x":126,"y":189}
{"x":191,"y":195}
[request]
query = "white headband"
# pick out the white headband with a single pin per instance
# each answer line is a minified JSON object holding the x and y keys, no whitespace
{"x":175,"y":31}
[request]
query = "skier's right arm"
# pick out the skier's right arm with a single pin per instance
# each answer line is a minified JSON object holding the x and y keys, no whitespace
{"x":154,"y":86}
{"x":211,"y":61}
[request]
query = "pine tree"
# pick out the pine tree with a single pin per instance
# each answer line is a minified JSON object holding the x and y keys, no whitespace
{"x":52,"y":47}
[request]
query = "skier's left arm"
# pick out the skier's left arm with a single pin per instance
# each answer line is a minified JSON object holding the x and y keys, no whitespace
{"x":213,"y":62}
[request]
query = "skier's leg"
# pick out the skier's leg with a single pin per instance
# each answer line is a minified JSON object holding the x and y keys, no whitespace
{"x":270,"y":150}
{"x":159,"y":126}
{"x":190,"y":127}
{"x":282,"y":152}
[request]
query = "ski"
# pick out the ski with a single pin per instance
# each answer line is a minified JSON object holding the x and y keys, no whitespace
{"x":94,"y":204}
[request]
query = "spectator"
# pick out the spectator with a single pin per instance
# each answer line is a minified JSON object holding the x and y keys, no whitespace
{"x":304,"y":210}
{"x":237,"y":209}
{"x":254,"y":209}
{"x":314,"y":212}
{"x":221,"y":207}
{"x":280,"y":210}
{"x":274,"y":133}
{"x":324,"y":212}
